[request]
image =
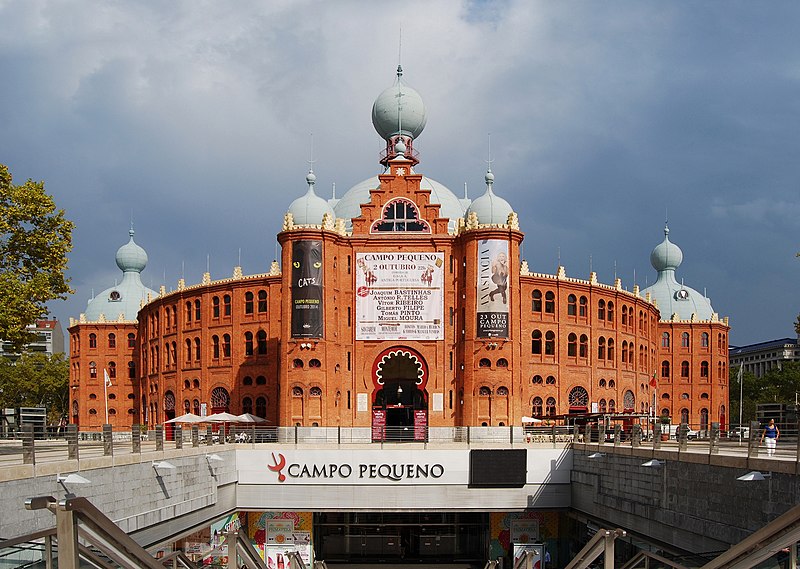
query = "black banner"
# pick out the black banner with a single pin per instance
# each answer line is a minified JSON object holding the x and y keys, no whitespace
{"x":307,"y":289}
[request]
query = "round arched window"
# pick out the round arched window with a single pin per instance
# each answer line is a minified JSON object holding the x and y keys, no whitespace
{"x":297,"y":391}
{"x":502,"y":391}
{"x":578,"y":397}
{"x":484,"y":391}
{"x":629,"y":400}
{"x":315,"y":392}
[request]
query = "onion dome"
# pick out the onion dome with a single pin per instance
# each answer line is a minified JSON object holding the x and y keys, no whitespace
{"x":666,"y":255}
{"x":309,"y":209}
{"x":131,"y":257}
{"x":125,"y":298}
{"x":671,"y":296}
{"x":399,"y":110}
{"x":490,"y":208}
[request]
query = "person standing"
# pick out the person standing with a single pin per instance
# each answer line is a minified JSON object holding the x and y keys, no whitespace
{"x":771,"y":434}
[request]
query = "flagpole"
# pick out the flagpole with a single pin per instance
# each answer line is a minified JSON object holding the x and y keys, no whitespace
{"x":741,"y":399}
{"x":106,"y":381}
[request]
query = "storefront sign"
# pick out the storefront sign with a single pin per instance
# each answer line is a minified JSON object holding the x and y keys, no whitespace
{"x":524,"y":531}
{"x":493,"y":288}
{"x":399,"y":296}
{"x":307,"y":289}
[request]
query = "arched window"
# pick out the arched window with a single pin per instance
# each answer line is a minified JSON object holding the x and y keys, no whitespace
{"x":261,"y":339}
{"x":400,"y":214}
{"x":536,"y":342}
{"x":261,"y":380}
{"x":247,"y":380}
{"x":261,"y":407}
{"x":550,"y":380}
{"x":196,"y":406}
{"x":112,"y":370}
{"x":197,"y":313}
{"x":572,"y":345}
{"x":628,"y":401}
{"x":314,"y":362}
{"x":703,"y":419}
{"x":610,"y":311}
{"x":536,"y":407}
{"x":247,"y":405}
{"x":549,"y":302}
{"x":578,"y":397}
{"x":601,"y":309}
{"x":602,"y":382}
{"x":315,"y":392}
{"x":484,"y":391}
{"x":215,"y":347}
{"x":551,"y":407}
{"x":226,"y":346}
{"x":704,"y":369}
{"x":131,"y":340}
{"x":536,"y":300}
{"x":601,"y":348}
{"x":248,"y":302}
{"x":624,"y":315}
{"x":226,"y":305}
{"x":93,"y":340}
{"x":220,"y":398}
{"x":537,"y":380}
{"x":197,"y":349}
{"x":583,"y":350}
{"x":610,"y":351}
{"x":187,"y":406}
{"x":248,"y":343}
{"x":583,"y":310}
{"x":665,"y":369}
{"x":297,"y":363}
{"x":188,"y":311}
{"x":572,"y":305}
{"x":550,"y":343}
{"x":704,"y":339}
{"x":665,"y":340}
{"x":215,"y":307}
{"x":112,"y":340}
{"x":684,"y":415}
{"x":685,"y":340}
{"x":601,"y":406}
{"x":262,"y":302}
{"x":188,"y":350}
{"x":174,"y":352}
{"x":502,"y":362}
{"x":484,"y":362}
{"x":685,"y":369}
{"x":502,"y":391}
{"x":169,"y":401}
{"x":131,"y":370}
{"x":612,"y":406}
{"x":624,"y":351}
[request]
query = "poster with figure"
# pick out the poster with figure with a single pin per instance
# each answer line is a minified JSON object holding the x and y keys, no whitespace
{"x":494,"y":277}
{"x":307,"y":289}
{"x":399,"y":296}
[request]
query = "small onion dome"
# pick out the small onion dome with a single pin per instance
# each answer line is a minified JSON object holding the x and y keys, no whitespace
{"x":666,"y":255}
{"x":399,"y":110}
{"x":490,"y":208}
{"x":131,"y":257}
{"x":309,"y":209}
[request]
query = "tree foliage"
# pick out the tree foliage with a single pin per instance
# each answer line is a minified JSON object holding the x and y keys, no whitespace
{"x":778,"y":385}
{"x":35,"y":238}
{"x":36,"y":380}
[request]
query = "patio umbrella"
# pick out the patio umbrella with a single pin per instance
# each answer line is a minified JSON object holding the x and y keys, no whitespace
{"x":250,"y":418}
{"x":531,"y":420}
{"x":222,"y":418}
{"x":187,"y":418}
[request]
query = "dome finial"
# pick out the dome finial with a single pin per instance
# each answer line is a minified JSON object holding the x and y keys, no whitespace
{"x":489,"y":176}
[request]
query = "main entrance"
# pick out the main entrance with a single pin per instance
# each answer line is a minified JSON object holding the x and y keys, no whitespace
{"x":399,"y":400}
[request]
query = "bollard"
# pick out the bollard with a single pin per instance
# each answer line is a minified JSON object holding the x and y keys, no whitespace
{"x":28,"y":451}
{"x":136,"y":439}
{"x":617,"y":435}
{"x":72,"y":442}
{"x":601,"y":433}
{"x":657,"y":435}
{"x":195,"y":436}
{"x":177,"y":434}
{"x":713,"y":439}
{"x":683,"y":436}
{"x":108,"y":440}
{"x":636,"y":436}
{"x":209,"y":435}
{"x":159,"y":438}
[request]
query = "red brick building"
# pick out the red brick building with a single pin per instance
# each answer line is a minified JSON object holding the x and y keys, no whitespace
{"x":398,"y":305}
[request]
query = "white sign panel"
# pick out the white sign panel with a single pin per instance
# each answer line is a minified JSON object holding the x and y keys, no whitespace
{"x":399,"y":296}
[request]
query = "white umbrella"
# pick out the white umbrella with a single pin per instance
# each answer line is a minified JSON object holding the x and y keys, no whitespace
{"x":250,"y":418}
{"x":222,"y":418}
{"x":187,"y":418}
{"x":531,"y":420}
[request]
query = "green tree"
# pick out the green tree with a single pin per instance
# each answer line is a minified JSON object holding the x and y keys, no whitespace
{"x":36,"y":380}
{"x":35,"y":238}
{"x":797,"y":325}
{"x":750,"y":392}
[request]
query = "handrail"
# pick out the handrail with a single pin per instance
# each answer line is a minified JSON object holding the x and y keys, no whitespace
{"x":600,"y":543}
{"x":244,"y":548}
{"x":491,"y":564}
{"x":642,"y":555}
{"x":176,"y":557}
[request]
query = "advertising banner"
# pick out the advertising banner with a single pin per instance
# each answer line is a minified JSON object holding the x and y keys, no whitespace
{"x":493,"y":289}
{"x":399,"y":296}
{"x":307,"y":289}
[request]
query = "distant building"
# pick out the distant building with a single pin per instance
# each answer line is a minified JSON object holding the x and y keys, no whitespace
{"x":759,"y":358}
{"x":49,"y":340}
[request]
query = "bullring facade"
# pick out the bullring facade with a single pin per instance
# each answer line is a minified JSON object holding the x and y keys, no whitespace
{"x":398,"y":306}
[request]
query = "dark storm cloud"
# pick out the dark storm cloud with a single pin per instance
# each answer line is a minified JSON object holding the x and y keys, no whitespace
{"x":194,"y":118}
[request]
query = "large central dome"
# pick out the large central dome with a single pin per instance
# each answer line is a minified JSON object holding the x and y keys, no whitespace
{"x":399,"y":110}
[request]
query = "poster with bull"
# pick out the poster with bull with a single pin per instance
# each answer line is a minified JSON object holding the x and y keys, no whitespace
{"x":493,"y":288}
{"x":307,"y":289}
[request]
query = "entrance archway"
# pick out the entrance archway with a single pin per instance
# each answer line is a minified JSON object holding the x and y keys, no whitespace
{"x":399,"y":399}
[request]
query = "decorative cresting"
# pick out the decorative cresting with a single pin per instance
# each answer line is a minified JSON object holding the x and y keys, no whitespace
{"x":400,"y":215}
{"x":415,"y":357}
